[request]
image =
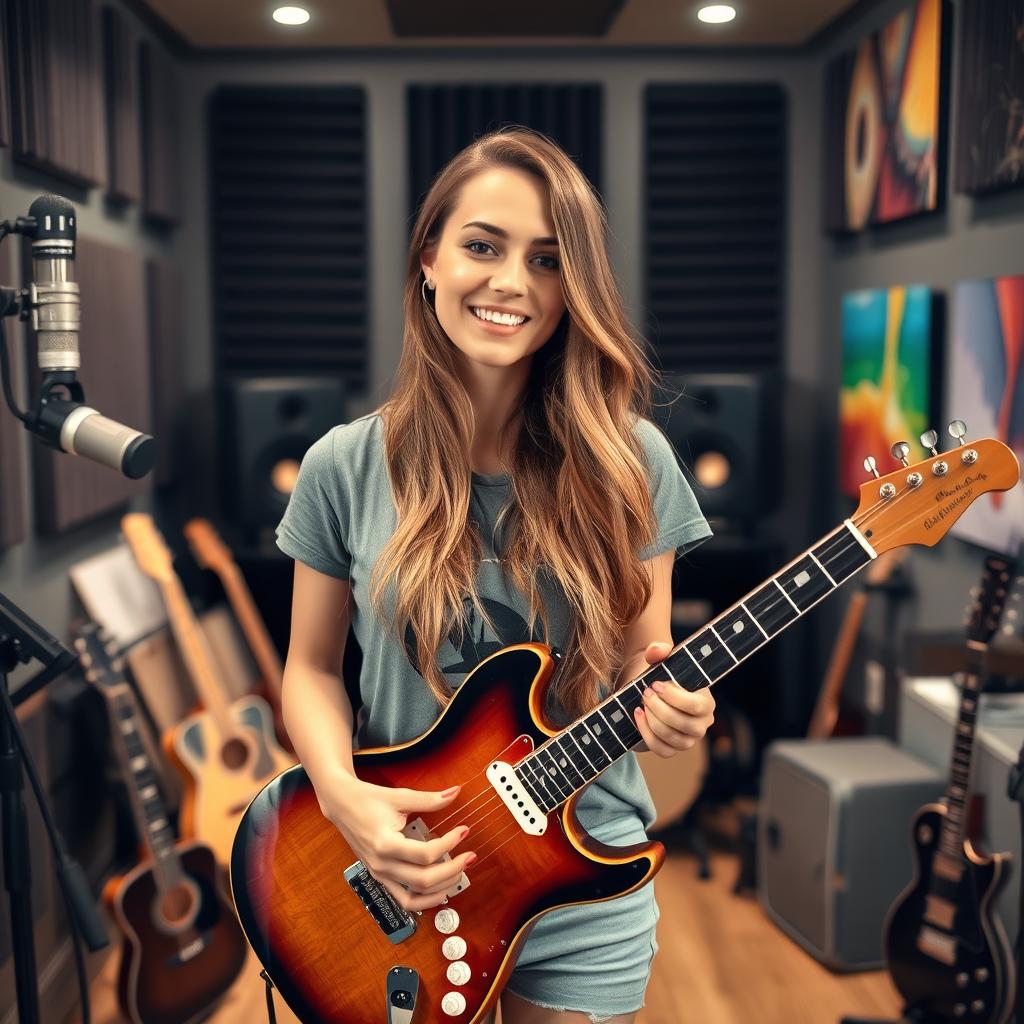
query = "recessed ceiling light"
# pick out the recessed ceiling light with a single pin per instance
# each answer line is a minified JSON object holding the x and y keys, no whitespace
{"x":716,"y":14}
{"x":291,"y":15}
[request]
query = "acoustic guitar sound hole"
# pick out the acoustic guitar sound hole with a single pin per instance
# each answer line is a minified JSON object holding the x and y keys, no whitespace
{"x":176,"y":904}
{"x":234,"y":754}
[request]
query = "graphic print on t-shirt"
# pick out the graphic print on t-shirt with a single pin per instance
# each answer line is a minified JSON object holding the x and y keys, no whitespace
{"x":458,"y":655}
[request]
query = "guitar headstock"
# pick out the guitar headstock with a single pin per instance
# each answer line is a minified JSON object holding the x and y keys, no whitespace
{"x":207,"y":547}
{"x":917,"y":504}
{"x":151,"y":553}
{"x":102,"y":664}
{"x":990,"y":598}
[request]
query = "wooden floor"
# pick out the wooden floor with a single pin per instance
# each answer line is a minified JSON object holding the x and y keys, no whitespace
{"x":721,"y":961}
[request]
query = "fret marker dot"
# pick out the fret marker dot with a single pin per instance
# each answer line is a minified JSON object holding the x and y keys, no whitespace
{"x":801,"y":578}
{"x":737,"y":626}
{"x":586,"y":739}
{"x":616,"y":715}
{"x":597,"y":729}
{"x":706,"y":650}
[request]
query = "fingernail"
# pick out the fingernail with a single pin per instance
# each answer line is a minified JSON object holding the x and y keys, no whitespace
{"x":639,"y":712}
{"x":658,"y":686}
{"x":463,"y":833}
{"x":451,"y":792}
{"x":470,"y":859}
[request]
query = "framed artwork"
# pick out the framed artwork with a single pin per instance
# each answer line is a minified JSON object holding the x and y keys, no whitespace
{"x":888,"y":376}
{"x":990,"y":98}
{"x":986,"y":391}
{"x":883,"y":122}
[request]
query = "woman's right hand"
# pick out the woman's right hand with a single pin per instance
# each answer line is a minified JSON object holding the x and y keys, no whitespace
{"x":371,"y":819}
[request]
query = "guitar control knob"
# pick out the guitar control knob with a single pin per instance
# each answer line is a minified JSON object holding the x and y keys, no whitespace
{"x":459,"y":972}
{"x":961,"y":979}
{"x":981,"y":974}
{"x":453,"y":1004}
{"x":977,"y":1005}
{"x":454,"y":948}
{"x":446,"y":921}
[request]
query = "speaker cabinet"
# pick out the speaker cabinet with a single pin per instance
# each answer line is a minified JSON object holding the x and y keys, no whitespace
{"x":724,"y":427}
{"x":833,"y":845}
{"x":271,"y":421}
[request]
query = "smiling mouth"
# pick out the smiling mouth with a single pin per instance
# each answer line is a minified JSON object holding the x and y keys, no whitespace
{"x":495,"y":324}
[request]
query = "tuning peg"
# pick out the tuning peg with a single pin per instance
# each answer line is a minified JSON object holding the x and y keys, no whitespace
{"x":870,"y":465}
{"x":958,"y":429}
{"x":928,"y":440}
{"x":900,"y":450}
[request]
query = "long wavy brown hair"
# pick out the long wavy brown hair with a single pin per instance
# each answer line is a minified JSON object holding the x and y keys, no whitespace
{"x":580,"y":507}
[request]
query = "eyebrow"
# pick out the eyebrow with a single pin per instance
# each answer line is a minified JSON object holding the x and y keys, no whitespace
{"x":502,"y":233}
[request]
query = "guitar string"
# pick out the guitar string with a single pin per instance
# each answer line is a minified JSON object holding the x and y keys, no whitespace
{"x":838,"y":543}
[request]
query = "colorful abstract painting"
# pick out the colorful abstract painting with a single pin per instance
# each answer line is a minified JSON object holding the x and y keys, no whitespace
{"x":886,"y":391}
{"x":986,"y":391}
{"x":882,"y":104}
{"x":990,"y":96}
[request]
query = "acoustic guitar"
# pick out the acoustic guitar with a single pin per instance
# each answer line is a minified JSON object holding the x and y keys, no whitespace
{"x":182,"y":945}
{"x":227,"y":751}
{"x":212,"y":553}
{"x":945,"y":947}
{"x":336,"y":944}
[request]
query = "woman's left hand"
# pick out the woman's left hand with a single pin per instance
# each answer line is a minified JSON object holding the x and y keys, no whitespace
{"x":672,"y":719}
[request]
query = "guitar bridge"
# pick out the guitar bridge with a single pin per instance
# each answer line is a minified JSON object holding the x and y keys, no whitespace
{"x":397,"y":924}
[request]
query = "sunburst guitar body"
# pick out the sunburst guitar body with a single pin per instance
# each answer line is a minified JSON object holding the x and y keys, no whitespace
{"x":341,"y":950}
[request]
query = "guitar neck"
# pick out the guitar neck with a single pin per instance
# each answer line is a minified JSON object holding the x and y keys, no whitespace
{"x":564,"y":764}
{"x":197,"y":654}
{"x":253,"y":627}
{"x":148,"y":811}
{"x":951,"y":839}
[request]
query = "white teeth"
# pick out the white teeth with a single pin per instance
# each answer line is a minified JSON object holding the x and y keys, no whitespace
{"x":499,"y":318}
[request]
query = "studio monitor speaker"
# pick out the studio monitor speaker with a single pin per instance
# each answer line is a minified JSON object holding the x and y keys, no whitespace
{"x":833,"y":843}
{"x":270,"y":423}
{"x":724,"y":427}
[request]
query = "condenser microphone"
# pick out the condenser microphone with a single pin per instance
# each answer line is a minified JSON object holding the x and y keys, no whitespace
{"x":68,"y":423}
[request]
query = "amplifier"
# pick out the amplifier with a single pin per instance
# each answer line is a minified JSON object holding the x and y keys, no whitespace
{"x":833,"y":845}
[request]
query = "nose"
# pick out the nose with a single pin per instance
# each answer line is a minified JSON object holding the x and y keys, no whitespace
{"x":509,"y":278}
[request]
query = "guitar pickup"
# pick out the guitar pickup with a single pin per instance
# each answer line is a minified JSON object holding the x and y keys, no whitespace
{"x":417,"y":829}
{"x":397,"y":924}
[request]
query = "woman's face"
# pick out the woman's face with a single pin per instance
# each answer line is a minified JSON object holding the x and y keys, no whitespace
{"x":497,"y":253}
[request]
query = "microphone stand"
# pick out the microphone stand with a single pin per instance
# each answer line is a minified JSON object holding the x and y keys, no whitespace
{"x":21,"y":641}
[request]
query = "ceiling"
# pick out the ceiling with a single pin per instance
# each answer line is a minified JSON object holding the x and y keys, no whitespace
{"x":244,"y":24}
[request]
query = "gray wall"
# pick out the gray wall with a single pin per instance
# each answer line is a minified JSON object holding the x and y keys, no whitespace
{"x":34,"y":574}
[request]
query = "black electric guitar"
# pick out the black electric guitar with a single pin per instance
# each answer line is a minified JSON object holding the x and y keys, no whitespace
{"x":945,"y":947}
{"x":182,"y":944}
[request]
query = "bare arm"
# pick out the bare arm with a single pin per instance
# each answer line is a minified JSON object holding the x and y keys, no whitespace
{"x":318,"y":717}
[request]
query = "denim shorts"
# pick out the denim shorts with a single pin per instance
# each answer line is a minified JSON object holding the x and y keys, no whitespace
{"x":594,"y":958}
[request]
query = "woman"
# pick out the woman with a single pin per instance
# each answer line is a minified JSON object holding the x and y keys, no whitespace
{"x":511,"y":475}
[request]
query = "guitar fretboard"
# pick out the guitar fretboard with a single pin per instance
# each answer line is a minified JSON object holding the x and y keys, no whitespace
{"x":565,"y":763}
{"x":151,"y":817}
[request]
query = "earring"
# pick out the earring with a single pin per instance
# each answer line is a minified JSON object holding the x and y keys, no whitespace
{"x":426,"y":284}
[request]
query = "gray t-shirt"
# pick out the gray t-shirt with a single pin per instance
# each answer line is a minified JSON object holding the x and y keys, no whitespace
{"x":340,"y":516}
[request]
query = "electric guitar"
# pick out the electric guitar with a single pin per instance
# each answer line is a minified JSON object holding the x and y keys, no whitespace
{"x":945,"y":948}
{"x":182,"y":945}
{"x":340,"y":949}
{"x":212,"y":553}
{"x":227,"y":751}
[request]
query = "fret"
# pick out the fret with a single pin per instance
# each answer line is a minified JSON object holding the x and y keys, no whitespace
{"x":710,"y":654}
{"x":841,"y":555}
{"x":804,"y":583}
{"x":728,"y":649}
{"x":593,"y":770}
{"x":782,"y":590}
{"x":604,"y":734}
{"x":771,"y":609}
{"x":824,"y":570}
{"x":740,"y":632}
{"x":553,"y":773}
{"x":754,"y":621}
{"x":591,"y":748}
{"x":566,"y":760}
{"x":524,"y":776}
{"x":620,"y":718}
